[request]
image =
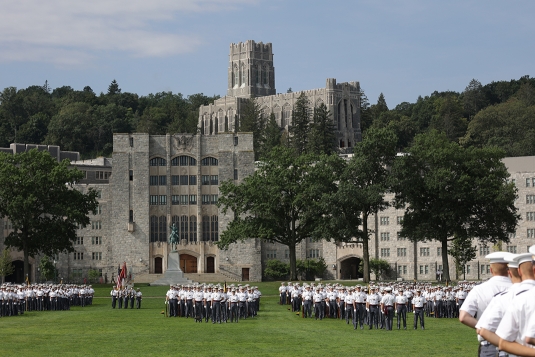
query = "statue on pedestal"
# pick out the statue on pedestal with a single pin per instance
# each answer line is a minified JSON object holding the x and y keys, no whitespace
{"x":173,"y":237}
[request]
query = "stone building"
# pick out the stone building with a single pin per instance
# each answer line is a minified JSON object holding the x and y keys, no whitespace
{"x":154,"y":181}
{"x":251,"y":74}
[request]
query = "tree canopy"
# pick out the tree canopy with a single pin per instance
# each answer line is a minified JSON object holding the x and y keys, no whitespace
{"x":37,"y":196}
{"x":449,"y":191}
{"x":281,"y":202}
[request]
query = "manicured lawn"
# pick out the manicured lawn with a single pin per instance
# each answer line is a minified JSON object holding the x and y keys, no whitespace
{"x":99,"y":330}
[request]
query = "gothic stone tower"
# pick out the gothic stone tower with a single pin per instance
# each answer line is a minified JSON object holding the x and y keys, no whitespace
{"x":251,"y":72}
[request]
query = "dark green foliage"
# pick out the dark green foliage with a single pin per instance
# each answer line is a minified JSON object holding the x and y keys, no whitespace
{"x":300,"y":128}
{"x":6,"y":268}
{"x":272,"y":136}
{"x":253,"y":120}
{"x":280,"y":202}
{"x":36,"y":193}
{"x":450,"y":191}
{"x":322,"y":137}
{"x":379,"y":267}
{"x":363,"y":183}
{"x":47,"y":268}
{"x":276,"y":270}
{"x":462,"y":252}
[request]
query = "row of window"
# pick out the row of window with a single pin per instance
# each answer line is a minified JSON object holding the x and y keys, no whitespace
{"x":187,"y":228}
{"x":102,"y":175}
{"x":530,"y":182}
{"x":156,"y":200}
{"x":94,"y":240}
{"x":183,"y":161}
{"x":94,"y":256}
{"x":183,"y":180}
{"x":385,"y":221}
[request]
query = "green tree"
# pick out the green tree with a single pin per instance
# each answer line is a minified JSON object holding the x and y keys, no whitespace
{"x":253,"y":120}
{"x":6,"y":268}
{"x":462,"y":251}
{"x":37,"y":194}
{"x":473,"y":98}
{"x":113,"y":88}
{"x":93,"y":275}
{"x":272,"y":136}
{"x":276,"y":270}
{"x":300,"y":128}
{"x":448,"y":191}
{"x":509,"y":126}
{"x":280,"y":202}
{"x":322,"y":137}
{"x":47,"y":268}
{"x":361,"y":191}
{"x":379,"y":267}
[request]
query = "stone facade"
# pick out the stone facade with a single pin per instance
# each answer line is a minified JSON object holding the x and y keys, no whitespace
{"x":252,"y":75}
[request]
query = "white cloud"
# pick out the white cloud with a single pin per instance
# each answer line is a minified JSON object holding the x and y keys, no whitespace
{"x":74,"y":32}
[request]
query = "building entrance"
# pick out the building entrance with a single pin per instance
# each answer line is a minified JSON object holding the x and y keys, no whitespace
{"x":349,"y":268}
{"x":188,"y":263}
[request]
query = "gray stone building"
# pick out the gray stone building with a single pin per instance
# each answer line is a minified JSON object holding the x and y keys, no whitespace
{"x":251,"y":74}
{"x":155,"y":181}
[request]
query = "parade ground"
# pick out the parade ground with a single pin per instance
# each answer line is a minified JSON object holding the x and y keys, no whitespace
{"x":99,"y":330}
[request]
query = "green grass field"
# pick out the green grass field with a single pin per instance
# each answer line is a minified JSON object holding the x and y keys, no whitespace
{"x":99,"y":330}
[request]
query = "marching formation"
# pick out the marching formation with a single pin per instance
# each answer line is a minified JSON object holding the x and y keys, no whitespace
{"x":374,"y":306}
{"x":213,"y":302}
{"x":16,"y":299}
{"x":122,"y":297}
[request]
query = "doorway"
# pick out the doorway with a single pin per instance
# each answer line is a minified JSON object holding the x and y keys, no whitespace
{"x":158,"y":265}
{"x":210,"y":265}
{"x":245,"y":274}
{"x":188,"y":263}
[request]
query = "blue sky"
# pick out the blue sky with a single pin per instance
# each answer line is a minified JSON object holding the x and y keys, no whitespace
{"x":401,"y":48}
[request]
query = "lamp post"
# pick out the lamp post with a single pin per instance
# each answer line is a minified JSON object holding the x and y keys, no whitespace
{"x":55,"y":271}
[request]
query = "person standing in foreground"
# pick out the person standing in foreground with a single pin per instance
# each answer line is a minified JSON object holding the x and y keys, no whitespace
{"x":480,"y":296}
{"x":418,"y":303}
{"x":401,"y":308}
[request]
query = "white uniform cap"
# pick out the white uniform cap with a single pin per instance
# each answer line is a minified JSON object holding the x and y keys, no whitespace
{"x":524,"y":258}
{"x":532,"y":249}
{"x":511,"y":262}
{"x":496,"y":257}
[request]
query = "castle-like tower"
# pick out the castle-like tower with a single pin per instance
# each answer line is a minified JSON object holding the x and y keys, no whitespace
{"x":250,"y":71}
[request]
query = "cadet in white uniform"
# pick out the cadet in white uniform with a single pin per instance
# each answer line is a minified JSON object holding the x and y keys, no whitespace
{"x":478,"y":299}
{"x":513,"y":326}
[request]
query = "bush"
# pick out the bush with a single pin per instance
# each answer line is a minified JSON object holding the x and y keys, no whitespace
{"x":276,"y":270}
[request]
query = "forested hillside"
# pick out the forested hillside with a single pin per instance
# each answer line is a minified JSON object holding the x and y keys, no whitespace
{"x":499,"y":113}
{"x":84,"y":121}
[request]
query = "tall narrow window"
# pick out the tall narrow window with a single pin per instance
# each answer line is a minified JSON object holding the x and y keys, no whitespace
{"x":131,"y":216}
{"x":131,"y":175}
{"x":193,"y":228}
{"x":131,"y":142}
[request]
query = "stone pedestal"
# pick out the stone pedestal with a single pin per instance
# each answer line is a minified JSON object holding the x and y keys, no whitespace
{"x":173,"y":275}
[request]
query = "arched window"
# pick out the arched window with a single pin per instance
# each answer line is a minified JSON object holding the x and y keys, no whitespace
{"x":158,"y":229}
{"x":193,"y":228}
{"x":236,"y":76}
{"x":265,"y":75}
{"x":162,"y":229}
{"x":259,"y":74}
{"x":209,"y":161}
{"x":205,"y":228}
{"x":183,"y":227}
{"x":157,"y":161}
{"x":153,"y":228}
{"x":184,"y":161}
{"x":214,"y":228}
{"x":242,"y":73}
